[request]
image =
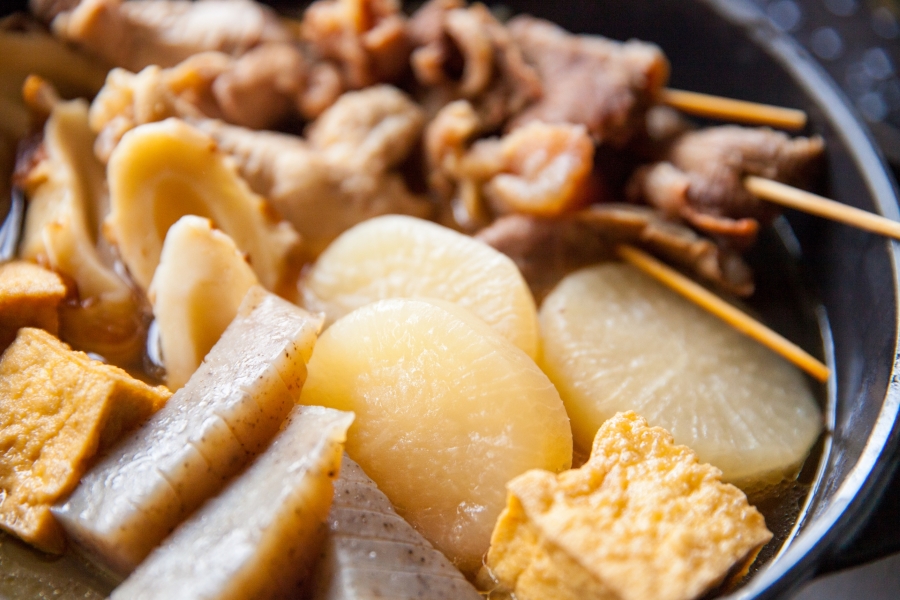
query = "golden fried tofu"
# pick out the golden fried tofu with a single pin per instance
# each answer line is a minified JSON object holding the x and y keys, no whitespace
{"x":641,"y":519}
{"x":58,"y":408}
{"x":29,"y":296}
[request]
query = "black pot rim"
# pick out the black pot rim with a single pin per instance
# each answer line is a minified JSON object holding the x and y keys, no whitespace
{"x":861,"y":491}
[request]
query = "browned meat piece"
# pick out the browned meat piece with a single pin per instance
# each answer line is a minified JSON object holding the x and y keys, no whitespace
{"x":605,"y":85}
{"x":465,"y":53}
{"x":365,"y":39}
{"x":701,"y":181}
{"x":371,"y":130}
{"x":447,"y":138}
{"x":547,"y":249}
{"x":538,"y":169}
{"x":137,"y":34}
{"x":344,"y":174}
{"x":262,"y":86}
{"x":623,"y":223}
{"x":255,"y":90}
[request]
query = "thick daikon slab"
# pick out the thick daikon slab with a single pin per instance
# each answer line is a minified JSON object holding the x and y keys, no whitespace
{"x":259,"y":537}
{"x":371,"y":552}
{"x":208,"y":431}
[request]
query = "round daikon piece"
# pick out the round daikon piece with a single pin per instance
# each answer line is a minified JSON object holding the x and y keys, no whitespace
{"x":615,"y":340}
{"x":397,"y":256}
{"x":447,"y":411}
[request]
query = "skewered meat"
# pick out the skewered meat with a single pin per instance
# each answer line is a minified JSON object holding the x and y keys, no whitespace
{"x":604,"y":85}
{"x":701,"y":178}
{"x":134,"y":35}
{"x":545,"y":250}
{"x":465,"y":53}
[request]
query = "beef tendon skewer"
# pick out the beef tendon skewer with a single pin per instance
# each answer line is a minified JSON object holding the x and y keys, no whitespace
{"x":699,"y":178}
{"x":767,"y":189}
{"x":725,"y":311}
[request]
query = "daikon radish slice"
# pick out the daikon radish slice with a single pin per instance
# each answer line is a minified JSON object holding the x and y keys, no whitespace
{"x":209,"y":430}
{"x":447,"y":411}
{"x":370,"y":551}
{"x":615,"y":340}
{"x":196,"y":291}
{"x":403,"y":257}
{"x":259,"y":538}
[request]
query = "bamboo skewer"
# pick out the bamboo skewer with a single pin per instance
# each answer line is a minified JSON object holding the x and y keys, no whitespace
{"x":791,"y":197}
{"x":767,"y":189}
{"x":728,"y":313}
{"x":716,"y":107}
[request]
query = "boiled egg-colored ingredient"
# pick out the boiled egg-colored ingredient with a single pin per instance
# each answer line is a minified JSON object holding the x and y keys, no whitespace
{"x":643,"y":518}
{"x":616,"y":340}
{"x":447,"y":411}
{"x":257,"y":539}
{"x":58,"y":409}
{"x":155,"y":179}
{"x":228,"y":412}
{"x":196,"y":291}
{"x":403,"y":257}
{"x":371,"y":552}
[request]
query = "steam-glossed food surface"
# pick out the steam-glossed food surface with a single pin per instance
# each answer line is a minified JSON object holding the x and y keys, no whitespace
{"x":351,"y":231}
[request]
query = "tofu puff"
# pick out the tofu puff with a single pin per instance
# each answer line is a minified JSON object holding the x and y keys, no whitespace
{"x":58,"y":408}
{"x":643,"y":518}
{"x":29,"y":297}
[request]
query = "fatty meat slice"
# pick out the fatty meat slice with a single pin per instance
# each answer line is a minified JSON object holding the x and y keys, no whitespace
{"x":371,"y":552}
{"x":209,"y":430}
{"x":258,"y":538}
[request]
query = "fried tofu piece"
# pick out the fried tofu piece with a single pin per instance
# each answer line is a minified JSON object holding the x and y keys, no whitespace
{"x":58,"y":408}
{"x":641,"y":519}
{"x":29,"y":297}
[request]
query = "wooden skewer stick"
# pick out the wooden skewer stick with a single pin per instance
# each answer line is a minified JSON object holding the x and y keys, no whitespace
{"x":728,"y":313}
{"x":791,"y":197}
{"x":716,"y":107}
